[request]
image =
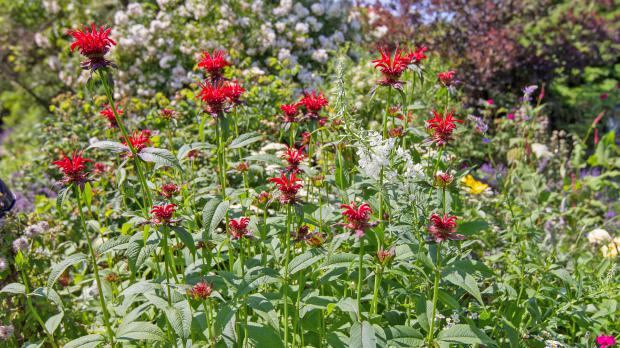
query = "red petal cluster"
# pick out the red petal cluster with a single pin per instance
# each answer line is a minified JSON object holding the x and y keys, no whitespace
{"x":108,"y":113}
{"x":443,"y":228}
{"x":357,"y":217}
{"x":201,"y":291}
{"x":441,"y":127}
{"x":73,"y":168}
{"x":168,"y":190}
{"x":214,"y":63}
{"x":162,"y":214}
{"x":290,"y":112}
{"x":218,"y":96}
{"x":294,"y":157}
{"x":391,"y":67}
{"x":446,"y":78}
{"x":288,"y":187}
{"x":239,"y":228}
{"x":93,"y":44}
{"x":139,"y":140}
{"x":416,"y":56}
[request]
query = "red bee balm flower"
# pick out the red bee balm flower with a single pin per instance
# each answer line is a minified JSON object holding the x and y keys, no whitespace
{"x":391,"y":69}
{"x":233,"y":91}
{"x":239,"y":228}
{"x":357,"y":217}
{"x":214,"y":96}
{"x":93,"y":44}
{"x":162,"y":214}
{"x":313,"y":103}
{"x":294,"y":157}
{"x":167,"y":114}
{"x":108,"y":113}
{"x":74,"y":168}
{"x":443,"y":228}
{"x":441,"y":127}
{"x":446,"y":78}
{"x":139,"y":140}
{"x":168,"y":190}
{"x":290,"y":112}
{"x":288,"y":187}
{"x":214,"y":64}
{"x":417,"y":56}
{"x":443,"y":179}
{"x":385,"y":256}
{"x":201,"y":291}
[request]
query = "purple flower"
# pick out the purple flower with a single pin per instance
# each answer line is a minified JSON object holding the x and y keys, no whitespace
{"x":20,"y":244}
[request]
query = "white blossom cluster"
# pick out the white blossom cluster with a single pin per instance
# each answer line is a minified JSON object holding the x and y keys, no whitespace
{"x":158,"y":46}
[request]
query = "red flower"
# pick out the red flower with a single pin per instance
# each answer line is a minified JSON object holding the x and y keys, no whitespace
{"x":288,"y":187}
{"x":290,"y":112}
{"x":313,"y":103}
{"x":168,"y":113}
{"x":416,"y":56}
{"x":168,"y":190}
{"x":101,"y":168}
{"x":233,"y":91}
{"x":162,"y":214}
{"x":605,"y":341}
{"x":239,"y":228}
{"x":443,"y":228}
{"x":446,"y":78}
{"x":385,"y":256}
{"x":139,"y":140}
{"x":214,"y":96}
{"x":214,"y":64}
{"x":108,"y":113}
{"x":443,"y":179}
{"x":201,"y":291}
{"x":93,"y":44}
{"x":306,"y":137}
{"x":193,"y":154}
{"x":294,"y":157}
{"x":242,"y":167}
{"x":263,"y":198}
{"x":391,"y":69}
{"x":357,"y":217}
{"x":73,"y":168}
{"x":441,"y":127}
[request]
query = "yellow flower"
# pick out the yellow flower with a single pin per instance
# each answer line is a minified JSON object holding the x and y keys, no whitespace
{"x":611,"y":250}
{"x":475,"y":187}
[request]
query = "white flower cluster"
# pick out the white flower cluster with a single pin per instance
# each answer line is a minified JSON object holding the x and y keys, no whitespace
{"x":375,"y":156}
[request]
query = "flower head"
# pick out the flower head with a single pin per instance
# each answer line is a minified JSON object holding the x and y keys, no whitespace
{"x":391,"y":67}
{"x":290,"y":112}
{"x":611,"y":249}
{"x":475,"y":187}
{"x":108,"y":113}
{"x":201,"y":291}
{"x":234,"y":91}
{"x":168,"y":190}
{"x":93,"y":44}
{"x":239,"y":228}
{"x":417,"y":55}
{"x":294,"y":157}
{"x":605,"y":341}
{"x":215,"y":97}
{"x":313,"y":103}
{"x":385,"y":255}
{"x":288,"y":187}
{"x":441,"y":127}
{"x":447,"y":78}
{"x":162,"y":214}
{"x":73,"y":168}
{"x":167,"y":113}
{"x":20,"y":244}
{"x":443,"y":228}
{"x":139,"y":140}
{"x":263,"y":198}
{"x":443,"y":179}
{"x":357,"y":218}
{"x":6,"y":331}
{"x":315,"y":239}
{"x":214,"y":63}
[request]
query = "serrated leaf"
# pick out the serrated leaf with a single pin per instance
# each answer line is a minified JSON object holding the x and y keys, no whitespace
{"x":264,"y":336}
{"x":212,"y":214}
{"x":467,"y":283}
{"x":59,"y":268}
{"x":14,"y":288}
{"x":109,"y":145}
{"x":52,"y":322}
{"x":362,"y":335}
{"x":141,"y":331}
{"x":465,"y":334}
{"x":305,"y":260}
{"x":161,"y":157}
{"x":403,"y":336}
{"x":88,"y":341}
{"x":244,"y":140}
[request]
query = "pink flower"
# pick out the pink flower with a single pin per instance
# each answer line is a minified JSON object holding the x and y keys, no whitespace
{"x":490,"y":102}
{"x":604,"y":96}
{"x":443,"y":228}
{"x":605,"y":341}
{"x":239,"y":228}
{"x":357,"y":217}
{"x":510,"y":116}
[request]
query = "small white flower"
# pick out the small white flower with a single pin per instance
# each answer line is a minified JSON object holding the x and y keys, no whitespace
{"x":6,"y":331}
{"x":3,"y":264}
{"x":598,"y":235}
{"x":541,"y":150}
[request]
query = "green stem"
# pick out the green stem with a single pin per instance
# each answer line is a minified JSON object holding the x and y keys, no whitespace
{"x":287,"y":241}
{"x":375,"y":295}
{"x":104,"y":308}
{"x":166,"y":262}
{"x":32,"y":309}
{"x":431,"y":332}
{"x":360,"y":278}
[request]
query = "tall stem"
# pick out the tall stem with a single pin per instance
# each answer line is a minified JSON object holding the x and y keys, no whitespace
{"x":431,"y":332}
{"x":166,"y":262}
{"x":375,"y":295}
{"x":360,"y":278}
{"x":104,"y":308}
{"x":32,"y":309}
{"x":287,"y":241}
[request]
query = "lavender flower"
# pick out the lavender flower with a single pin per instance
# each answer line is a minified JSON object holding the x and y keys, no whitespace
{"x":20,"y":244}
{"x":527,"y":93}
{"x":3,"y":264}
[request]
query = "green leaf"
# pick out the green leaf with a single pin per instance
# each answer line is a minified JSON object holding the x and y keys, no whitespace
{"x":88,"y":341}
{"x":180,"y":318}
{"x":224,"y":317}
{"x":362,"y":336}
{"x":244,"y":140}
{"x":52,"y":323}
{"x":109,"y":145}
{"x":467,"y":283}
{"x":465,"y":334}
{"x":14,"y":288}
{"x":212,"y":214}
{"x":161,"y":157}
{"x":59,"y":268}
{"x":564,"y":275}
{"x":140,"y":331}
{"x":264,"y":336}
{"x":185,"y":237}
{"x":403,"y":336}
{"x":303,"y":261}
{"x":187,"y":148}
{"x":472,"y":227}
{"x":62,"y":195}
